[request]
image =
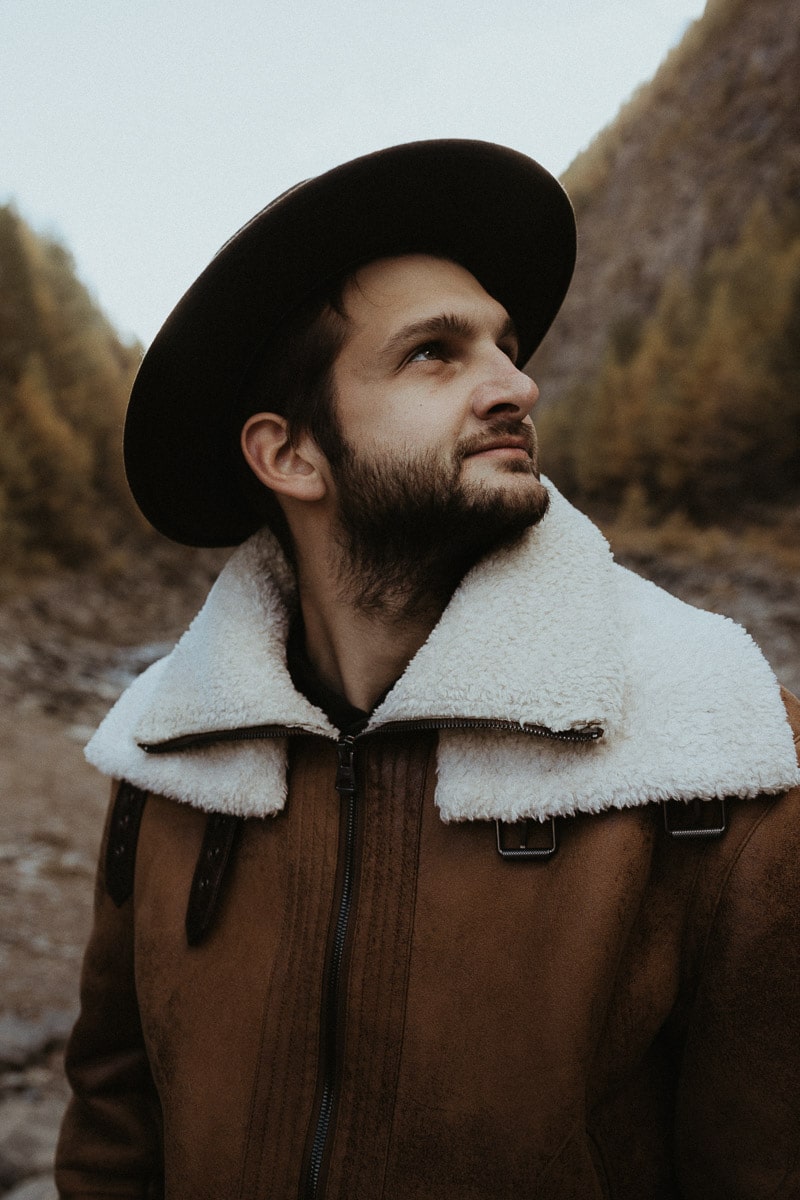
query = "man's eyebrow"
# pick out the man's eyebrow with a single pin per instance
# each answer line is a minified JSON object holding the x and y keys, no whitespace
{"x":443,"y":324}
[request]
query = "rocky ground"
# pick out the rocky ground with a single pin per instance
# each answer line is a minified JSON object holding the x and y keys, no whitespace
{"x":67,"y":648}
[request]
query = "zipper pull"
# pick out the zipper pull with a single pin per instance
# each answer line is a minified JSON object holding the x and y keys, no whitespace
{"x":591,"y":730}
{"x":345,"y":771}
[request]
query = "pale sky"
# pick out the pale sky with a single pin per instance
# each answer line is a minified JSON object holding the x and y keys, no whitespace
{"x":144,"y":132}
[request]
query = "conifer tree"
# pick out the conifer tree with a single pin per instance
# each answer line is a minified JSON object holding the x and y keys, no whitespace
{"x":700,"y":410}
{"x":64,"y":379}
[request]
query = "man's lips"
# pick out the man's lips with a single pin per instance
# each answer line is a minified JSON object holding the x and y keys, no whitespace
{"x":502,"y":445}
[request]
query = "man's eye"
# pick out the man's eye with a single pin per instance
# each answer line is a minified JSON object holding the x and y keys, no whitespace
{"x":427,"y":353}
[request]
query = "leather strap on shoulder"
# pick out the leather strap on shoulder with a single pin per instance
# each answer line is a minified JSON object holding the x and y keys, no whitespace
{"x":123,"y":834}
{"x":209,"y":875}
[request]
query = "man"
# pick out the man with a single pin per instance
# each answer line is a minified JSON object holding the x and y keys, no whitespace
{"x":446,"y":857}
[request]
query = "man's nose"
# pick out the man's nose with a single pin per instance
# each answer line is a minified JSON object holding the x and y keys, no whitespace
{"x":506,"y":391}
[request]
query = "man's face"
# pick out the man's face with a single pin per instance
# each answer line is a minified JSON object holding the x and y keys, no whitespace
{"x":427,"y":374}
{"x":435,"y":458}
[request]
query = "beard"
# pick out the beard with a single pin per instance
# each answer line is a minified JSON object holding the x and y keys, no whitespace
{"x":410,"y":527}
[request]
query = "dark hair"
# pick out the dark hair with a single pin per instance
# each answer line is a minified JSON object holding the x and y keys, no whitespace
{"x":293,"y":376}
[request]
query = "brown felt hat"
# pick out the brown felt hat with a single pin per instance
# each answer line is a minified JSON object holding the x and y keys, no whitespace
{"x":495,"y":211}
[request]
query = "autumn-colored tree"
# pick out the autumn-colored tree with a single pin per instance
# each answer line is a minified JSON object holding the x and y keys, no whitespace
{"x":698,"y":410}
{"x":64,"y":380}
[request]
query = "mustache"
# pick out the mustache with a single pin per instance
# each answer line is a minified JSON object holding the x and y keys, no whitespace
{"x":503,"y":427}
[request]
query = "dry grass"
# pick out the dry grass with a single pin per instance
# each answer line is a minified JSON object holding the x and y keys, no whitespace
{"x":772,"y":540}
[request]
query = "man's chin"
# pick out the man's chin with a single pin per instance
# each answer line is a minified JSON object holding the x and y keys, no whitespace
{"x":497,"y":471}
{"x":484,"y":527}
{"x":514,"y":493}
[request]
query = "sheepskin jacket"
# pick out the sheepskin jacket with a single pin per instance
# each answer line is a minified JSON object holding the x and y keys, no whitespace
{"x":534,"y":931}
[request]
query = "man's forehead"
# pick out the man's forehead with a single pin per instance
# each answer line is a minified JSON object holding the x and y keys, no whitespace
{"x":415,"y":286}
{"x":402,"y":270}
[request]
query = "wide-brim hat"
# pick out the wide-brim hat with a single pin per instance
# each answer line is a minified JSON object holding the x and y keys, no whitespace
{"x":493,"y":210}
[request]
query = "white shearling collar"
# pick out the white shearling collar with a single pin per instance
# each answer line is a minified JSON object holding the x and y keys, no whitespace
{"x":550,"y":634}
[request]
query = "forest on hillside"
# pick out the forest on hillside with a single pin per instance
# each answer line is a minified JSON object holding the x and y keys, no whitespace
{"x":697,"y":407}
{"x":64,"y":382}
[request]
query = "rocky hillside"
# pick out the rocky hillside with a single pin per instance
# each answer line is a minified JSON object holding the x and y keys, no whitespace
{"x":676,"y":176}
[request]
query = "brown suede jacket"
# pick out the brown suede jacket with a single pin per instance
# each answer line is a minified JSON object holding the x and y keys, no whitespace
{"x":507,"y":940}
{"x":619,"y":1019}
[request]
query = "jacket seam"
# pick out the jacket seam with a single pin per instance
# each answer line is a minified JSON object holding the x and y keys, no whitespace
{"x":723,"y":886}
{"x":600,"y":1163}
{"x":259,"y":1066}
{"x":412,"y":922}
{"x":303,"y":919}
{"x":577,"y":1127}
{"x":613,"y":988}
{"x":689,"y":912}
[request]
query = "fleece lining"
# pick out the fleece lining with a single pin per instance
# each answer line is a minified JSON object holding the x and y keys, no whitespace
{"x":551,"y":633}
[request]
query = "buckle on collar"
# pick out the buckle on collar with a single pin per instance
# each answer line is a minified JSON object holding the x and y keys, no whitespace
{"x":695,"y":819}
{"x":527,"y":846}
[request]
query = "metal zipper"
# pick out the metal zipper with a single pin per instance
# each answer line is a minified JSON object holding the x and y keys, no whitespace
{"x":193,"y":741}
{"x":592,"y":731}
{"x":346,"y":787}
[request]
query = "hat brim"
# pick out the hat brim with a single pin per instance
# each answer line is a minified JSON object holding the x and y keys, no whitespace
{"x":495,"y":211}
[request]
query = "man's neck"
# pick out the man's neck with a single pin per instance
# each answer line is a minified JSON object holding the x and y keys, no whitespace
{"x":359,"y":654}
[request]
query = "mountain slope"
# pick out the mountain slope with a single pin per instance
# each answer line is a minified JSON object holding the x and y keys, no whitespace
{"x":675,"y":177}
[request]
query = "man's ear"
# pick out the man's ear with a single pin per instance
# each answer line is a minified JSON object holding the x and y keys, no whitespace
{"x":296,"y":470}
